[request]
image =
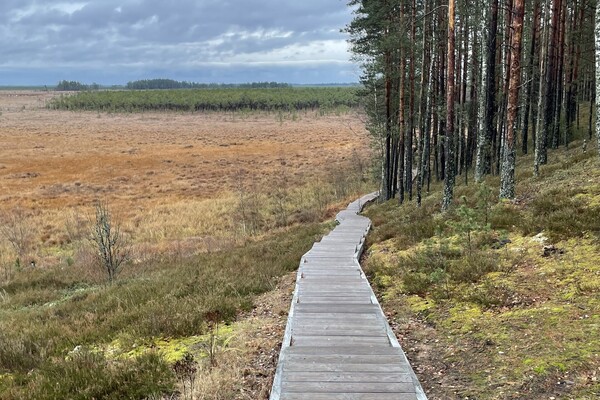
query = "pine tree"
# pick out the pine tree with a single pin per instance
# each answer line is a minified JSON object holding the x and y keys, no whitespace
{"x":540,"y":156}
{"x":597,"y":75}
{"x":450,"y":150}
{"x":507,"y":176}
{"x":486,"y":128}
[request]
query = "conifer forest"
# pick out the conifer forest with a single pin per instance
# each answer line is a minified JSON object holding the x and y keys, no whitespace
{"x":458,"y":89}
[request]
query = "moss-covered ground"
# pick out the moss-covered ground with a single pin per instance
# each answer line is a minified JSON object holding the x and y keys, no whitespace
{"x":498,"y":300}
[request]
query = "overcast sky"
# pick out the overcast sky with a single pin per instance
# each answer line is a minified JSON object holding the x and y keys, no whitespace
{"x":116,"y":41}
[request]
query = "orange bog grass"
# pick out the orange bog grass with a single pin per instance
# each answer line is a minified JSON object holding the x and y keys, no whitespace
{"x":167,"y":176}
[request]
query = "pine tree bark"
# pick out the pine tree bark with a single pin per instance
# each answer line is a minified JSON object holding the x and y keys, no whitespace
{"x":450,"y":160}
{"x":553,"y":48}
{"x":474,"y":105}
{"x":597,"y":37}
{"x":411,"y":118}
{"x":559,"y":75}
{"x":530,"y":76}
{"x":541,"y":140}
{"x":488,"y":91}
{"x":507,"y":175}
{"x":506,"y":57}
{"x":424,"y":116}
{"x":388,"y":128}
{"x":401,"y":124}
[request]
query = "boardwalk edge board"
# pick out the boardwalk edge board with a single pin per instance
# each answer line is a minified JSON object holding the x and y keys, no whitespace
{"x":359,"y":364}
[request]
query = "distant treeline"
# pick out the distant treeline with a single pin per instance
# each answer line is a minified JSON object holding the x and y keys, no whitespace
{"x":74,"y":86}
{"x":148,"y":84}
{"x":219,"y":99}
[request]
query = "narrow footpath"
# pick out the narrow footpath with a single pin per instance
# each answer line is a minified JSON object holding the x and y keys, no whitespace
{"x":338,"y":343}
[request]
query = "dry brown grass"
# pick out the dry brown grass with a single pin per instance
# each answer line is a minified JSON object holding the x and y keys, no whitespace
{"x":176,"y":182}
{"x":173,"y":179}
{"x":245,"y":370}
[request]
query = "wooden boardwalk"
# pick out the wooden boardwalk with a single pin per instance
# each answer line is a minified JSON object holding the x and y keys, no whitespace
{"x":338,"y":344}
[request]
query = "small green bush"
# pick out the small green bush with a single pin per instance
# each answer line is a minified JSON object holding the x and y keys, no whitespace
{"x":489,"y":294}
{"x":506,"y":216}
{"x":473,"y":266}
{"x":562,"y":215}
{"x":19,"y":353}
{"x":416,"y":282}
{"x":86,"y":375}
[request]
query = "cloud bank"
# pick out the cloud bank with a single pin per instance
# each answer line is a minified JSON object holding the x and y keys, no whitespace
{"x":110,"y":41}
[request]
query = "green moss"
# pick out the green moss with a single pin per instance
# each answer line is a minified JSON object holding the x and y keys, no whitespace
{"x":463,"y":317}
{"x":419,"y":305}
{"x":532,"y":318}
{"x":170,"y":349}
{"x":6,"y":381}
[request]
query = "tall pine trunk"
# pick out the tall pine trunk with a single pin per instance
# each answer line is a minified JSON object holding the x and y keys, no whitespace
{"x":450,"y":160}
{"x":488,"y":92}
{"x":559,"y":85}
{"x":597,"y":31}
{"x":411,"y":118}
{"x":401,"y":124}
{"x":530,"y":76}
{"x":543,"y":120}
{"x":424,"y":112}
{"x":507,"y":175}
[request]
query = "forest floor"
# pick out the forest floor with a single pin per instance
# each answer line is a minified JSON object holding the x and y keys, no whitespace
{"x":498,"y":300}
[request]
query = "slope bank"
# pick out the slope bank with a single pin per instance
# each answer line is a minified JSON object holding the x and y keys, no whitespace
{"x":498,"y":300}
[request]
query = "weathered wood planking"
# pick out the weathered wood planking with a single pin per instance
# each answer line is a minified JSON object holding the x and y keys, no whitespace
{"x":338,"y":344}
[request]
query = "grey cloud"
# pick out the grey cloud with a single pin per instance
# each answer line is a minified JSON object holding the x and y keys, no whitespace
{"x":152,"y":34}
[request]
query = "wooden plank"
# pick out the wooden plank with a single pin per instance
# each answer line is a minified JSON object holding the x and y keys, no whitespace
{"x":365,"y":325}
{"x":344,"y":350}
{"x":337,"y":341}
{"x":331,"y":293}
{"x":336,"y":245}
{"x":328,"y":264}
{"x":300,"y":366}
{"x":334,"y":266}
{"x":328,"y":279}
{"x":347,"y":396}
{"x":350,"y":271}
{"x":347,"y":387}
{"x":332,"y":317}
{"x":316,"y":323}
{"x":354,"y":279}
{"x":334,"y":331}
{"x":339,"y":286}
{"x":321,"y":281}
{"x":311,"y":293}
{"x":331,"y":290}
{"x":337,"y":308}
{"x":351,"y":283}
{"x":335,"y":376}
{"x":341,"y":359}
{"x":335,"y":299}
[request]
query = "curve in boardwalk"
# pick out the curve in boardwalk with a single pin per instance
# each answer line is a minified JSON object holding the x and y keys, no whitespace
{"x":338,"y":343}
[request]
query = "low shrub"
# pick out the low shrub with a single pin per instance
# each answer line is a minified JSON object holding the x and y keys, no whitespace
{"x":472,"y":267}
{"x":86,"y":375}
{"x":562,"y":214}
